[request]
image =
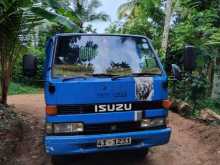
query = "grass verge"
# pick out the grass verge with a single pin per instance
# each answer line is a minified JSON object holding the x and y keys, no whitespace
{"x":211,"y":104}
{"x":17,"y":88}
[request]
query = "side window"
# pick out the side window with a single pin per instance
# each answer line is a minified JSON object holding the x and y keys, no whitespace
{"x":148,"y":61}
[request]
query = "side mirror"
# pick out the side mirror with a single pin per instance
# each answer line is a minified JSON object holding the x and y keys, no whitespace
{"x":189,"y":59}
{"x":29,"y":65}
{"x":176,"y":72}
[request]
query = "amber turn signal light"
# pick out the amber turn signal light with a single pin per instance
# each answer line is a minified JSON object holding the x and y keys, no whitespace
{"x":51,"y":110}
{"x":167,"y":104}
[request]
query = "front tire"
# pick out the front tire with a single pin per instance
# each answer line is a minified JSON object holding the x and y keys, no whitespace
{"x":58,"y":160}
{"x":141,"y":154}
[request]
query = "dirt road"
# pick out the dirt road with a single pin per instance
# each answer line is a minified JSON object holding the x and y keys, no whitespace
{"x":192,"y":143}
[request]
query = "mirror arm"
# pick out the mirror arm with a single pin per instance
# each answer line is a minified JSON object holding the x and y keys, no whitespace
{"x":174,"y":81}
{"x":174,"y":85}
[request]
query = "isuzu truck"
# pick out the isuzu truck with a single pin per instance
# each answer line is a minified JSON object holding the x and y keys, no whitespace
{"x":102,"y":93}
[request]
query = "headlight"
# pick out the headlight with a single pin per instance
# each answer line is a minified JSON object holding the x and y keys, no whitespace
{"x":49,"y":128}
{"x":64,"y":128}
{"x":146,"y":123}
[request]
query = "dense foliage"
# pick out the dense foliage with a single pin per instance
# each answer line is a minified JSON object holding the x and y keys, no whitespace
{"x":194,"y":22}
{"x":25,"y":26}
{"x":141,"y":17}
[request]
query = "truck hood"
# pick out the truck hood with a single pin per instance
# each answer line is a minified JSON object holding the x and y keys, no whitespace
{"x":105,"y":90}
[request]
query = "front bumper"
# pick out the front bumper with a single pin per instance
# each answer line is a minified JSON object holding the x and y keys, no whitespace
{"x":79,"y":144}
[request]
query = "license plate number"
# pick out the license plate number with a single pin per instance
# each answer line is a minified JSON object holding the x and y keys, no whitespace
{"x":113,"y":142}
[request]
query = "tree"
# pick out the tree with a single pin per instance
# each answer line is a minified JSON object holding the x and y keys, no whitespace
{"x":17,"y":18}
{"x":12,"y":32}
{"x":197,"y":22}
{"x":86,"y":12}
{"x":58,"y":12}
{"x":165,"y":36}
{"x":181,"y":22}
{"x":145,"y":17}
{"x":75,"y":15}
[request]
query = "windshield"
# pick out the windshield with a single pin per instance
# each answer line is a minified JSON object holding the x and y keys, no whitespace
{"x":114,"y":55}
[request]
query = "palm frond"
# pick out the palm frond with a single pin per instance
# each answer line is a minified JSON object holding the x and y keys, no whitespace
{"x":126,"y":8}
{"x":92,"y":5}
{"x":214,"y":39}
{"x":99,"y":17}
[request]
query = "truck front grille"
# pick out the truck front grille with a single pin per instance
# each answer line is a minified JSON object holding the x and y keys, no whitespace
{"x":112,"y":128}
{"x":90,"y":108}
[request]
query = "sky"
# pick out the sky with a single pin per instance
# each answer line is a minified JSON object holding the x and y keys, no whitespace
{"x":109,"y":7}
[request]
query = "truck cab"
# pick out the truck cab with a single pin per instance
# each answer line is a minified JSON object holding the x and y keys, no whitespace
{"x":103,"y":93}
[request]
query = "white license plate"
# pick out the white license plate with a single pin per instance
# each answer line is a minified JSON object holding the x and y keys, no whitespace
{"x":113,"y":142}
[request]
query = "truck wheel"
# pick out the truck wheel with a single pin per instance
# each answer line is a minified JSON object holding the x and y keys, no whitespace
{"x":141,"y":154}
{"x":58,"y":160}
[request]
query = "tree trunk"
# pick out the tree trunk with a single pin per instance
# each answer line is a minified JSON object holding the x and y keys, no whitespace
{"x":210,"y":73}
{"x":216,"y":80}
{"x":165,"y":37}
{"x":4,"y":87}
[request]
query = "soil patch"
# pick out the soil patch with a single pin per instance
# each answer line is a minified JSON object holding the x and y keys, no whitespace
{"x":191,"y":143}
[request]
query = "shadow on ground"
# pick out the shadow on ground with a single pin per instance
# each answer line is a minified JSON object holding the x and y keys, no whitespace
{"x":109,"y":158}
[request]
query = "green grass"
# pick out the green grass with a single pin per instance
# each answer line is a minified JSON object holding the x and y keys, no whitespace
{"x":16,"y":88}
{"x":211,"y":104}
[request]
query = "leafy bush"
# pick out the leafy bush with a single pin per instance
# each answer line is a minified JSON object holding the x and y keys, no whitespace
{"x":18,"y":70}
{"x":20,"y":88}
{"x":209,"y":103}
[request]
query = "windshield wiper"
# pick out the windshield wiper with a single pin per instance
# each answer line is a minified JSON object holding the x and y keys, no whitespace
{"x":101,"y":75}
{"x":135,"y":75}
{"x":74,"y":77}
{"x":89,"y":75}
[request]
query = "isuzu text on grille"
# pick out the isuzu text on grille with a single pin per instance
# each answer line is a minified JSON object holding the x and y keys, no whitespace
{"x":113,"y":107}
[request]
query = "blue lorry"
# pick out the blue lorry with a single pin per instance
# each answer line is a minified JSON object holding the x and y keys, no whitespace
{"x":102,"y":93}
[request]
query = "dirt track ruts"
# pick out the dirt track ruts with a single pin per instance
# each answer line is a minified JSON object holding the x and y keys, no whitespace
{"x":192,"y":143}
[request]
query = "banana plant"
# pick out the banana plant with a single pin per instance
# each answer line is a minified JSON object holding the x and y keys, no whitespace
{"x":57,"y":12}
{"x":17,"y":19}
